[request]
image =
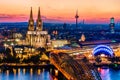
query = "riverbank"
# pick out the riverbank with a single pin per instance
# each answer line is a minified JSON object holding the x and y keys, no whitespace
{"x":105,"y":66}
{"x":25,"y":65}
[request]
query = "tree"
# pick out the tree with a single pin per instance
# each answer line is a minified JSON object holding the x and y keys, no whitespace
{"x":41,"y":49}
{"x":8,"y":52}
{"x":85,"y":59}
{"x":11,"y":59}
{"x":33,"y":59}
{"x":98,"y":60}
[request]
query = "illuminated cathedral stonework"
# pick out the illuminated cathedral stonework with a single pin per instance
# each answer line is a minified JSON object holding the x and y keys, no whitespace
{"x":35,"y":36}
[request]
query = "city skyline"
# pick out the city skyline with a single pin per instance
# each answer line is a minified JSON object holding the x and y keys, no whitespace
{"x":95,"y":11}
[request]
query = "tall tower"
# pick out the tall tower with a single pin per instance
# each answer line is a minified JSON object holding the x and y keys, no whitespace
{"x":76,"y":17}
{"x":39,"y":21}
{"x":112,"y":25}
{"x":31,"y":22}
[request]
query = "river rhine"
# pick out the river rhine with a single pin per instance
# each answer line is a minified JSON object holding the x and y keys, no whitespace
{"x":42,"y":74}
{"x":109,"y":74}
{"x":26,"y":74}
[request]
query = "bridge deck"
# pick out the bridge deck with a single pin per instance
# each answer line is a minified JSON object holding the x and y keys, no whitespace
{"x":72,"y":69}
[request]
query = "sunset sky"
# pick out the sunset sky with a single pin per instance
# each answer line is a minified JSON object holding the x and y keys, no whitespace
{"x":92,"y":11}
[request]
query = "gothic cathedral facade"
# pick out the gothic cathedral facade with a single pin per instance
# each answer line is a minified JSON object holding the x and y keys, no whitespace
{"x":35,"y":36}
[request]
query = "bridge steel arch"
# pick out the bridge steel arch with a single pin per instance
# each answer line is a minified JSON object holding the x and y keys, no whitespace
{"x":103,"y":49}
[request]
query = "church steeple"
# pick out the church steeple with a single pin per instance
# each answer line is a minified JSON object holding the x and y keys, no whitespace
{"x":31,"y":21}
{"x":39,"y":16}
{"x":39,"y":21}
{"x":31,"y":14}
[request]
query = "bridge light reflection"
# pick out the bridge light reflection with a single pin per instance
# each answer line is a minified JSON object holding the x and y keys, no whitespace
{"x":31,"y":71}
{"x":14,"y":71}
{"x":0,"y":70}
{"x":24,"y":71}
{"x":7,"y":72}
{"x":18,"y":71}
{"x":38,"y":71}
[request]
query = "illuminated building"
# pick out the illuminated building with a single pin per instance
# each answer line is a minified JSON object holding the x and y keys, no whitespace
{"x":35,"y":36}
{"x":82,"y":38}
{"x":17,"y":35}
{"x":22,"y":50}
{"x":112,"y":25}
{"x":59,"y":43}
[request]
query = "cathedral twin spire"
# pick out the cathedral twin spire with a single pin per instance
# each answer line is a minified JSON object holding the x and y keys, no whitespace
{"x":38,"y":22}
{"x":31,"y":14}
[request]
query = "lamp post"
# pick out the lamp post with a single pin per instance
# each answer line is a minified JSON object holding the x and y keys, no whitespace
{"x":5,"y":45}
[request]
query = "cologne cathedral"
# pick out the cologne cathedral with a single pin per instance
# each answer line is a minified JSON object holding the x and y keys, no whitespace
{"x":35,"y":36}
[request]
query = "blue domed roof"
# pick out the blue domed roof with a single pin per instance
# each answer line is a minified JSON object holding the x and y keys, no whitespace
{"x":103,"y":49}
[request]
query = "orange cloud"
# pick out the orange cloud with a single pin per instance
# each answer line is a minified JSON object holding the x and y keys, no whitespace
{"x":93,"y":11}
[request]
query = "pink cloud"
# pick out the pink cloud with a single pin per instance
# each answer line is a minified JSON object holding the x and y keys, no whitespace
{"x":24,"y":18}
{"x":12,"y":18}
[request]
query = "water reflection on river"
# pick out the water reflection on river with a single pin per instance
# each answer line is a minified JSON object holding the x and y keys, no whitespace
{"x":26,"y":74}
{"x":109,"y":74}
{"x":43,"y":74}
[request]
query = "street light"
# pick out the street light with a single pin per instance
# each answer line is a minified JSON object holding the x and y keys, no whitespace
{"x":12,"y":44}
{"x":5,"y":45}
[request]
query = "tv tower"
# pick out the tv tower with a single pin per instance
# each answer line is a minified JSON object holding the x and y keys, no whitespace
{"x":112,"y":25}
{"x":76,"y":17}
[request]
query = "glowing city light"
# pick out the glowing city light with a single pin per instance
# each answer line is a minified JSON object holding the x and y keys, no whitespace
{"x":102,"y":55}
{"x":103,"y":49}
